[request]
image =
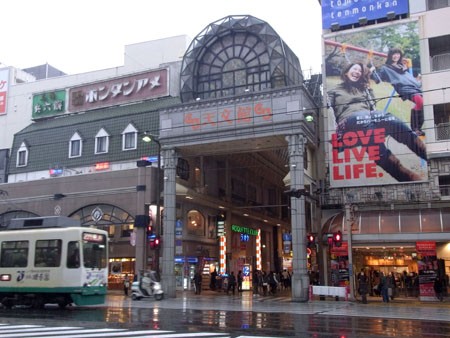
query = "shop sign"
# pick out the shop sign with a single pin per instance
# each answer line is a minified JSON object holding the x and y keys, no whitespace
{"x":4,"y":84}
{"x":230,"y":116}
{"x":244,"y":230}
{"x":133,"y":88}
{"x":48,"y":104}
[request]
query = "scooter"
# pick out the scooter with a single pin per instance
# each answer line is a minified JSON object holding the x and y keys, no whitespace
{"x":147,"y":286}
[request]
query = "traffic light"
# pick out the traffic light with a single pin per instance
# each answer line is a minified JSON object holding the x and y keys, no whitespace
{"x":155,"y":242}
{"x":311,"y":241}
{"x":337,"y":239}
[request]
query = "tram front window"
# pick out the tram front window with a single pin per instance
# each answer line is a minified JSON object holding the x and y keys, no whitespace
{"x":94,"y":251}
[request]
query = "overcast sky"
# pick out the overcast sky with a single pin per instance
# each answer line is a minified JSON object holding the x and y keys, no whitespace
{"x":78,"y":36}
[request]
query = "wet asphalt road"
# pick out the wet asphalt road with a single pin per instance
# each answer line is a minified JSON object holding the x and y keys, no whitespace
{"x":271,"y":317}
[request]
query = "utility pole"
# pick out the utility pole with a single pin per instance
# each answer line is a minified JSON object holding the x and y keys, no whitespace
{"x":349,"y":219}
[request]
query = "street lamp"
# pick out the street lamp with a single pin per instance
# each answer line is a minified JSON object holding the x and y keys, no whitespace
{"x":147,"y":138}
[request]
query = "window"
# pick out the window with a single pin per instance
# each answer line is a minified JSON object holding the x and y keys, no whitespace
{"x":129,"y":138}
{"x":73,"y":255}
{"x":48,"y":253}
{"x":440,"y":52}
{"x":101,"y":142}
{"x":436,"y":4}
{"x":14,"y":254}
{"x":444,"y":185}
{"x":442,"y":121}
{"x":75,"y":146}
{"x":22,"y":155}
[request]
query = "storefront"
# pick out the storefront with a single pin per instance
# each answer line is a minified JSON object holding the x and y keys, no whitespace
{"x":408,"y":244}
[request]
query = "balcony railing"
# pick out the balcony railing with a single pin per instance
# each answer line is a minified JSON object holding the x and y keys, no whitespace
{"x":442,"y":131}
{"x":440,"y":62}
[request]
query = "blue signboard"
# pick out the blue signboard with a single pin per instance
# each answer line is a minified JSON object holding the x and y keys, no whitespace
{"x":347,"y":12}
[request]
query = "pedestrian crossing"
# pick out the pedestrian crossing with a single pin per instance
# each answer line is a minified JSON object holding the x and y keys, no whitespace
{"x":42,"y":331}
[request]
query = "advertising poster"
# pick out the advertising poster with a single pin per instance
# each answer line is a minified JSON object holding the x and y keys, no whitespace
{"x":428,"y":266}
{"x":4,"y":84}
{"x":376,"y":132}
{"x":340,"y":275}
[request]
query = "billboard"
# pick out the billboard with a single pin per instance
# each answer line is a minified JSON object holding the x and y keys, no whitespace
{"x":49,"y":104}
{"x":347,"y":12}
{"x":123,"y":90}
{"x":375,"y":108}
{"x":4,"y":85}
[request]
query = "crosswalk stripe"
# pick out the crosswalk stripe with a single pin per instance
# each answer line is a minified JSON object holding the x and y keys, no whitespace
{"x":38,"y":328}
{"x":43,"y":334}
{"x":40,"y":331}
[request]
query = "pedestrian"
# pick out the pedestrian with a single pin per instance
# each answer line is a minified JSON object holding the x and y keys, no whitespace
{"x":212,"y":283}
{"x":255,"y":282}
{"x":126,"y":284}
{"x":240,"y":279}
{"x":437,"y":286}
{"x":198,"y":282}
{"x":354,"y":108}
{"x":396,"y":72}
{"x":363,"y":289}
{"x":273,"y":282}
{"x":231,"y":282}
{"x":383,"y":288}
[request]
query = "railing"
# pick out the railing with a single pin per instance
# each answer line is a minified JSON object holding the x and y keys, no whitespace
{"x":444,"y":190}
{"x":440,"y":62}
{"x":442,"y":131}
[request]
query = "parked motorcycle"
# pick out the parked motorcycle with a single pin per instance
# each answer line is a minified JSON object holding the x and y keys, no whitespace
{"x":147,"y":286}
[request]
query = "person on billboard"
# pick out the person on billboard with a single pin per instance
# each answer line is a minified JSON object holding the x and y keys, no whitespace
{"x":354,"y":109}
{"x":396,"y":72}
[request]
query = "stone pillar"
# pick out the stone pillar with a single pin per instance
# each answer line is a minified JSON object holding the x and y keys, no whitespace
{"x":168,"y":239}
{"x":300,"y":278}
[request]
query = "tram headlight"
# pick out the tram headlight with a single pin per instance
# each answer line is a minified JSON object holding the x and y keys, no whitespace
{"x":5,"y":278}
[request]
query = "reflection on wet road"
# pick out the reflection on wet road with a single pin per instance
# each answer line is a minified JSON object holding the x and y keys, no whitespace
{"x":222,"y":323}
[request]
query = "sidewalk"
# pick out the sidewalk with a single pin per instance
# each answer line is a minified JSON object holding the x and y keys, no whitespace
{"x":400,"y":308}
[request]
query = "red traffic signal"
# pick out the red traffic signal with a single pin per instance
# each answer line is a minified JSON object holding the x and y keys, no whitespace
{"x":310,"y":240}
{"x":155,"y":242}
{"x":337,"y":238}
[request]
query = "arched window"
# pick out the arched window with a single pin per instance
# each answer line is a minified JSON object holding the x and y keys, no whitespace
{"x":101,"y":142}
{"x":75,"y":146}
{"x":22,"y":155}
{"x":129,"y":138}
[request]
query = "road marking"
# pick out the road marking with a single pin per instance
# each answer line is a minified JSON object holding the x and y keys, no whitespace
{"x":39,"y":331}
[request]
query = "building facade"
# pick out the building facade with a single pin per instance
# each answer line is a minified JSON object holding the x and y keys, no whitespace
{"x":387,"y":188}
{"x":234,"y":121}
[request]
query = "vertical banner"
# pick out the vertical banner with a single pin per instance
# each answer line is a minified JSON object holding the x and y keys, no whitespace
{"x":4,"y":86}
{"x":428,"y":266}
{"x":375,"y":116}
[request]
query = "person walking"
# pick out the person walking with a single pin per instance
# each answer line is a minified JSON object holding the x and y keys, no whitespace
{"x":240,"y":279}
{"x":384,"y":288}
{"x":126,"y":284}
{"x":437,"y":286}
{"x":363,"y":283}
{"x":231,"y":282}
{"x":198,"y":282}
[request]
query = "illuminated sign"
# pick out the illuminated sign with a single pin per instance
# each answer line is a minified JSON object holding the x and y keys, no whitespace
{"x":347,"y":12}
{"x":102,"y":166}
{"x":48,"y":104}
{"x":55,"y":172}
{"x":90,"y":237}
{"x":244,"y":230}
{"x":138,"y":87}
